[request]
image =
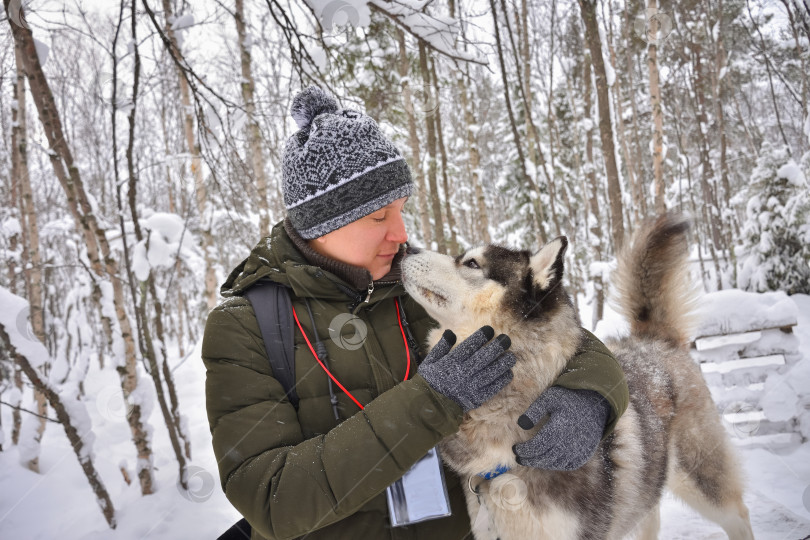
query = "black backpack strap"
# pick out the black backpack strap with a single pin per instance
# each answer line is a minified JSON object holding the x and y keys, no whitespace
{"x":273,"y":307}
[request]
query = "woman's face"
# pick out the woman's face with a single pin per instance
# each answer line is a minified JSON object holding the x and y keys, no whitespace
{"x":370,"y":242}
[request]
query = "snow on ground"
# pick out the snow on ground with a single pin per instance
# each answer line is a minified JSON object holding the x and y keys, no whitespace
{"x":59,"y":503}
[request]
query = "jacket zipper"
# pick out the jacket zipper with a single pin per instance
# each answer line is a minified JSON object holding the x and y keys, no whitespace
{"x":370,"y":290}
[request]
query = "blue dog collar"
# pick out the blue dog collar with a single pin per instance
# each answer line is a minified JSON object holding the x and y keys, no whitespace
{"x":499,"y":470}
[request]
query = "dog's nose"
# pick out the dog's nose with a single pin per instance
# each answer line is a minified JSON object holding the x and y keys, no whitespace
{"x":412,"y":250}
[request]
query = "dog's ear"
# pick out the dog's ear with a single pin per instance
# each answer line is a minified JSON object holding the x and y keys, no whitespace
{"x":547,"y":264}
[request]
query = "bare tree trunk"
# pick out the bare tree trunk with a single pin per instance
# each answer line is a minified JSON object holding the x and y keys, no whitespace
{"x":16,"y":202}
{"x":28,"y":213}
{"x":451,"y":222}
{"x":657,"y":113}
{"x":727,"y":218}
{"x":639,"y":192}
{"x":75,"y":438}
{"x":178,"y":267}
{"x":523,"y":61}
{"x":32,"y":275}
{"x":525,"y":176}
{"x":196,"y":170}
{"x":413,"y":137}
{"x":593,"y":202}
{"x":16,"y":418}
{"x":98,"y":248}
{"x":632,"y":179}
{"x":181,"y":310}
{"x":717,"y":95}
{"x":430,"y":128}
{"x":170,"y":417}
{"x":31,"y":258}
{"x":254,"y":146}
{"x":710,"y":206}
{"x":482,"y":222}
{"x":633,"y":182}
{"x":802,"y":58}
{"x":588,"y":8}
{"x":554,"y":132}
{"x":770,"y":76}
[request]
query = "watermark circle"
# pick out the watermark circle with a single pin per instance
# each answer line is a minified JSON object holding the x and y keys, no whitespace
{"x":653,"y":26}
{"x":351,"y":342}
{"x":742,"y":418}
{"x":24,"y":324}
{"x":16,"y":14}
{"x":508,"y":492}
{"x":110,"y":403}
{"x":200,"y":484}
{"x":106,"y":87}
{"x":420,"y":100}
{"x":338,"y":14}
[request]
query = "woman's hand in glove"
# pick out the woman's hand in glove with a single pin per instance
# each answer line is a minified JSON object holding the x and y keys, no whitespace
{"x":576,"y":422}
{"x":471,"y":373}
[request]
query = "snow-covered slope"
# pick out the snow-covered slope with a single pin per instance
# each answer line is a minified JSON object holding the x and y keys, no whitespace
{"x":59,"y":504}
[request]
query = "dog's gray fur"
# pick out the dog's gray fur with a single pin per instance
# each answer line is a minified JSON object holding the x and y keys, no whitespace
{"x":671,"y":434}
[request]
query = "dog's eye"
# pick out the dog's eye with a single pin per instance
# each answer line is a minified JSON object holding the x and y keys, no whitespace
{"x":472,"y":264}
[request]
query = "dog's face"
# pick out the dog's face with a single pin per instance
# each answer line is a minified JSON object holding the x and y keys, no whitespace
{"x":488,"y":285}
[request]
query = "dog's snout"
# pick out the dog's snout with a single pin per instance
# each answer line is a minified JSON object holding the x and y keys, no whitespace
{"x":411,"y":250}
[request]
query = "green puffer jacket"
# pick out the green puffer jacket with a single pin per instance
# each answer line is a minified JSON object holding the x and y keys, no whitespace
{"x":301,"y":472}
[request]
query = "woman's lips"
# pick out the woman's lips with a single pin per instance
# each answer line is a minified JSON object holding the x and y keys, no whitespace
{"x":388,"y":256}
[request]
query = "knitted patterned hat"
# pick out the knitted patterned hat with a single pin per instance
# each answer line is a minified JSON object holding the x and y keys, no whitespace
{"x":338,"y":167}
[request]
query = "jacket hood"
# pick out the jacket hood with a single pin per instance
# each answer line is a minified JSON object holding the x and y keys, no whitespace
{"x":277,"y":258}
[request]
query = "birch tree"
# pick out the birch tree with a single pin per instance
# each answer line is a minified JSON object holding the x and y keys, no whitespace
{"x":655,"y":105}
{"x":193,"y":147}
{"x":72,"y":416}
{"x":254,"y":138}
{"x":97,"y":246}
{"x":588,"y":10}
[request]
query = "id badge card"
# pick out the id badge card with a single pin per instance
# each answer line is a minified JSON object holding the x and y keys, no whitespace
{"x":421,"y":494}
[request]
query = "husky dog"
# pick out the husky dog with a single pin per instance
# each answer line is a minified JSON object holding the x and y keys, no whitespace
{"x":671,"y":434}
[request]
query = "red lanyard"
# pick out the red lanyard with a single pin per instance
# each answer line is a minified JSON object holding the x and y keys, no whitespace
{"x":404,"y":340}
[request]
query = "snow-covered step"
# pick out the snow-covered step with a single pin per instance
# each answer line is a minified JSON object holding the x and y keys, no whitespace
{"x":770,"y":361}
{"x":742,"y":371}
{"x":743,"y":345}
{"x":744,"y":393}
{"x":715,"y":342}
{"x":744,"y":420}
{"x":774,"y":441}
{"x":734,"y":311}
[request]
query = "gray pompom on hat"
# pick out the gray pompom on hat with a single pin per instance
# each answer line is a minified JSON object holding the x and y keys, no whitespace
{"x":338,"y":167}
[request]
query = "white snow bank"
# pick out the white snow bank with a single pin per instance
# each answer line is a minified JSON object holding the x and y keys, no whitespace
{"x":170,"y":226}
{"x":182,"y":22}
{"x":792,"y":173}
{"x":735,"y":311}
{"x":165,"y":232}
{"x":10,"y":227}
{"x":14,"y":320}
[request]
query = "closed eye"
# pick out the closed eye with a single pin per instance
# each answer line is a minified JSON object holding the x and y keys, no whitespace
{"x":472,"y":264}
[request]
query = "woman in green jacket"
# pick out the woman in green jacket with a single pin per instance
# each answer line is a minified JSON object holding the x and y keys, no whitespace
{"x":366,"y":412}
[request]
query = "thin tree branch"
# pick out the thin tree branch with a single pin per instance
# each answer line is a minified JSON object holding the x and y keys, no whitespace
{"x":29,"y":412}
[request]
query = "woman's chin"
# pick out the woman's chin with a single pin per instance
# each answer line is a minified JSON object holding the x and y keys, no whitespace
{"x":380,"y":271}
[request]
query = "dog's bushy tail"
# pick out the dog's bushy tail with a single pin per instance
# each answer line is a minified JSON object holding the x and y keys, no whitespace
{"x":656,"y":294}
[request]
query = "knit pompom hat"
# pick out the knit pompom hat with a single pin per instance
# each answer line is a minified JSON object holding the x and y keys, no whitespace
{"x":338,"y":166}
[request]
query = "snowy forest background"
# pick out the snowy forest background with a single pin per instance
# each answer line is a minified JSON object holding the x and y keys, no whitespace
{"x":140,"y":158}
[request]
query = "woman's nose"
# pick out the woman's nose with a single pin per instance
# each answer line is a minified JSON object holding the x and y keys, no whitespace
{"x":397,"y":232}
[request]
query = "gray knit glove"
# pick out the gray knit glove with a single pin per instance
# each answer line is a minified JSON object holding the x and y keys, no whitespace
{"x":573,"y":431}
{"x":471,"y":373}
